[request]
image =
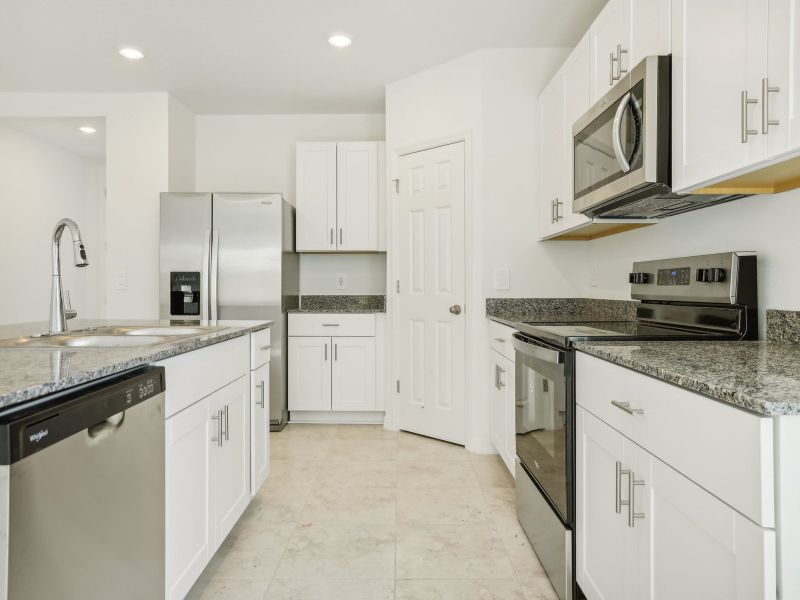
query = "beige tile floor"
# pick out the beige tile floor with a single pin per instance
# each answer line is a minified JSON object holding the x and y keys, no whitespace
{"x":354,"y":512}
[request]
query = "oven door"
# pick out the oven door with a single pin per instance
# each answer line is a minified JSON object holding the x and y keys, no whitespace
{"x":544,"y":419}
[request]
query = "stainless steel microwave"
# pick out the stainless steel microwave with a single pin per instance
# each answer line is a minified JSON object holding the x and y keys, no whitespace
{"x":622,"y":145}
{"x":622,"y":148}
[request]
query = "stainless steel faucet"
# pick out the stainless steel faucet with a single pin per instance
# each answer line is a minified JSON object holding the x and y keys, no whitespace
{"x":58,"y":315}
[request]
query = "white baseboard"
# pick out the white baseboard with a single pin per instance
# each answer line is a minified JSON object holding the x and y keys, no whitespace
{"x":337,"y":417}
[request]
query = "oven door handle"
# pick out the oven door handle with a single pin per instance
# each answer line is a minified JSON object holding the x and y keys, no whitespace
{"x":616,"y":136}
{"x":529,"y":348}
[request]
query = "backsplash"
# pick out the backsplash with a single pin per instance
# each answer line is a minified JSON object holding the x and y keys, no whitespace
{"x":783,"y":326}
{"x":591,"y":309}
{"x":344,"y":303}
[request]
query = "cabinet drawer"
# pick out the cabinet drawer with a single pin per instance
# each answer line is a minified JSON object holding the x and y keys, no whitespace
{"x":500,"y":339}
{"x":725,"y":450}
{"x":331,"y":324}
{"x":259,"y":348}
{"x":195,"y":375}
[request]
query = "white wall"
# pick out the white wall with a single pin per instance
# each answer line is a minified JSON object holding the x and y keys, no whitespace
{"x":182,"y":142}
{"x":489,"y":98}
{"x":256,"y":153}
{"x":39,"y":184}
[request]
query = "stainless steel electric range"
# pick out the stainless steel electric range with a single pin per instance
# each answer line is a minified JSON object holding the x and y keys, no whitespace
{"x":694,"y":298}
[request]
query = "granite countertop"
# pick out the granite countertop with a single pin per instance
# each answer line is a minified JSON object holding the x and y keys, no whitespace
{"x":28,"y":373}
{"x":341,"y":304}
{"x":510,"y":311}
{"x":763,"y":377}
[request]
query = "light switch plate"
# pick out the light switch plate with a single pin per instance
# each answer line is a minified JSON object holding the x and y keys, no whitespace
{"x":502,"y":279}
{"x":341,"y":281}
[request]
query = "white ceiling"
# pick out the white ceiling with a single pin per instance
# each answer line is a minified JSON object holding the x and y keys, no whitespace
{"x":264,"y":56}
{"x":64,"y":133}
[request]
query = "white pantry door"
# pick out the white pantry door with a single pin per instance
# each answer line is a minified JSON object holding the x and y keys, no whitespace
{"x":431,"y":323}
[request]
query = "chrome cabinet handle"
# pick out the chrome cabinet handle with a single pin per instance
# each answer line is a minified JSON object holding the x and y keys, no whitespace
{"x":745,"y":130}
{"x":501,"y":382}
{"x":766,"y":90}
{"x":626,"y":406}
{"x":326,"y":352}
{"x":218,"y":419}
{"x":336,"y":352}
{"x":226,"y":412}
{"x":340,"y":236}
{"x":497,"y":377}
{"x":632,"y":514}
{"x":331,"y":236}
{"x":618,"y":501}
{"x":620,"y":70}
{"x":260,"y":403}
{"x":611,"y":60}
{"x":558,"y":204}
{"x":330,"y":324}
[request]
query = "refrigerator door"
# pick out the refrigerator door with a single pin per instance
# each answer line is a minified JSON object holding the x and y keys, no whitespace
{"x":185,"y":233}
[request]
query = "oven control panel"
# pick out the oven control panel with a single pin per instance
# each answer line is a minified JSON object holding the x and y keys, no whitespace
{"x":677,"y":276}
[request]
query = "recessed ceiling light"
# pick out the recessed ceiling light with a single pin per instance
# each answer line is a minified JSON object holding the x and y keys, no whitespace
{"x":131,"y":53}
{"x":88,"y":129}
{"x":339,"y":40}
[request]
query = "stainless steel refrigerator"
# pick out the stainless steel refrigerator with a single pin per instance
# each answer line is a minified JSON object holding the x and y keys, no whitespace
{"x":228,"y":256}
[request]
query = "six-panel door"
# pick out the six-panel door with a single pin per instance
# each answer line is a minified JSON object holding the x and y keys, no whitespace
{"x":353,"y":376}
{"x":310,"y":373}
{"x":259,"y":427}
{"x":231,"y":486}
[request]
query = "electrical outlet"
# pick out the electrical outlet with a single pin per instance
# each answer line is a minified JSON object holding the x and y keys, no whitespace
{"x":502,"y":279}
{"x":341,"y":282}
{"x":120,"y":281}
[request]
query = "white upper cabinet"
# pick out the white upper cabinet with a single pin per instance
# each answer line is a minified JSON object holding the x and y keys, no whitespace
{"x":625,"y":32}
{"x":316,"y":197}
{"x":357,"y":196}
{"x":718,"y":60}
{"x":781,"y":89}
{"x":551,"y":157}
{"x":340,"y":195}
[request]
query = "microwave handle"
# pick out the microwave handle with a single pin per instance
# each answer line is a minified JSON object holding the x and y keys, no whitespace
{"x":617,"y":134}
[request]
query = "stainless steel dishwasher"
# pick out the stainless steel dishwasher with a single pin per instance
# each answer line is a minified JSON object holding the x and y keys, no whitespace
{"x":82,"y":484}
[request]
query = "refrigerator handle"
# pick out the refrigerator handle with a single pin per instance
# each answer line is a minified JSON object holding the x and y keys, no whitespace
{"x":204,"y":275}
{"x":214,"y":271}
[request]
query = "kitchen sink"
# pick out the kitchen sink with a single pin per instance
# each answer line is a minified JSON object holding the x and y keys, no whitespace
{"x":84,"y":341}
{"x":131,"y":336}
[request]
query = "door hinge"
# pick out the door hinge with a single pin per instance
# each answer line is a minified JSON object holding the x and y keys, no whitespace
{"x":397,"y":286}
{"x":396,"y":186}
{"x":398,"y":386}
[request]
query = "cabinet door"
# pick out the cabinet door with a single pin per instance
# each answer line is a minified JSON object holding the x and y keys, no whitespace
{"x":602,"y":538}
{"x":310,"y":373}
{"x":509,"y":406}
{"x":189,"y":537}
{"x":353,"y":379}
{"x":231,"y":458}
{"x":316,"y":197}
{"x":650,"y":29}
{"x":702,"y":548}
{"x":716,"y":56}
{"x":576,"y":82}
{"x":783,"y":72}
{"x":259,"y":427}
{"x":610,"y":29}
{"x":497,"y":417}
{"x":357,"y":196}
{"x":551,"y":155}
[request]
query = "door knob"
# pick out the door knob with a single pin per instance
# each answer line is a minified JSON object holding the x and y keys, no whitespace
{"x":455,"y":309}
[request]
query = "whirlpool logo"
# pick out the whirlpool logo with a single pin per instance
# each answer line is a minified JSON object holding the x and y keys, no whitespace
{"x":37,"y":437}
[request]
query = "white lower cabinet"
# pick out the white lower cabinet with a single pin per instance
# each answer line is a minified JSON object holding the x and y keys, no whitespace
{"x":502,"y":408}
{"x":353,"y":373}
{"x":189,"y":532}
{"x":259,"y":427}
{"x":309,"y":373}
{"x":230,"y":412}
{"x":644,"y":530}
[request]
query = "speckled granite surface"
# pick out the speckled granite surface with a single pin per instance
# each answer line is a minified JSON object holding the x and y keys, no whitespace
{"x":512,"y":310}
{"x":341,"y":304}
{"x":783,"y":326}
{"x":763,"y":377}
{"x":28,"y":373}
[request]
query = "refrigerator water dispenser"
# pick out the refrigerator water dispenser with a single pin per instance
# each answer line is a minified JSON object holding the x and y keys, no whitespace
{"x":184,"y":297}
